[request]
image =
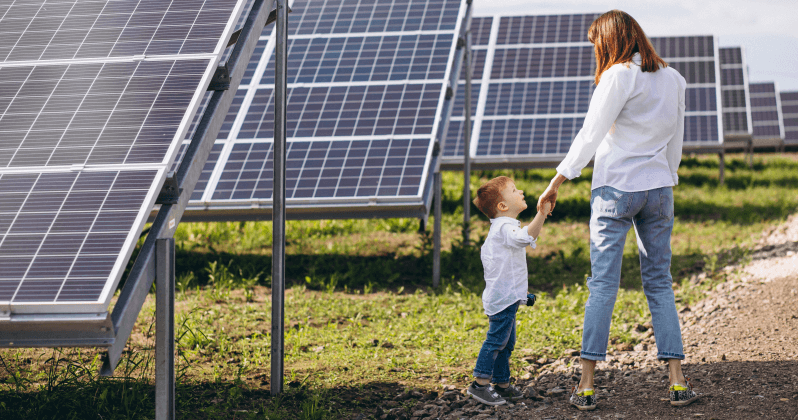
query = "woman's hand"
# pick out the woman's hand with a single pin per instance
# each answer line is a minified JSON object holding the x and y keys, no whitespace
{"x":550,"y":195}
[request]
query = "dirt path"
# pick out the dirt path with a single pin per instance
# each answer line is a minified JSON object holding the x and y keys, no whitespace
{"x":742,"y":347}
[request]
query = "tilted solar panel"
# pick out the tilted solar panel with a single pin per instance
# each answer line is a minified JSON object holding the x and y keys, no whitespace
{"x":789,"y":113}
{"x":95,"y":98}
{"x":736,"y":102}
{"x":533,"y":92}
{"x":366,"y":84}
{"x":538,"y":80}
{"x":766,"y":114}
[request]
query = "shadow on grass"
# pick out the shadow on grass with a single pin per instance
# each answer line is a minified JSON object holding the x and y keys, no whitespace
{"x":107,"y":400}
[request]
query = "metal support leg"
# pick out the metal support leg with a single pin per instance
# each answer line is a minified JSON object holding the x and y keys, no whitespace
{"x":165,"y":329}
{"x":467,"y":146}
{"x":278,"y":218}
{"x":436,"y":235}
{"x":722,"y":167}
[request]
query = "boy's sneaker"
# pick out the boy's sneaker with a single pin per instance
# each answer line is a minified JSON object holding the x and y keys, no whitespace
{"x":509,"y":393}
{"x":485,"y":394}
{"x":584,"y":400}
{"x":682,"y":395}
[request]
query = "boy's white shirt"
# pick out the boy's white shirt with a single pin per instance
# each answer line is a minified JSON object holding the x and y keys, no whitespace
{"x":504,"y":260}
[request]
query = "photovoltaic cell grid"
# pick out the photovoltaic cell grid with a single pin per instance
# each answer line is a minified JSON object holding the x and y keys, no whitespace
{"x":765,"y":112}
{"x":366,"y":79}
{"x":61,"y":30}
{"x":339,"y":168}
{"x":789,"y":112}
{"x":734,"y":88}
{"x":536,"y":88}
{"x":94,"y":113}
{"x":696,"y":58}
{"x":88,"y":126}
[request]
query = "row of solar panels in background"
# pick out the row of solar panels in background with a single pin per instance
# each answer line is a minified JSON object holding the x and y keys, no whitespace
{"x":337,"y":110}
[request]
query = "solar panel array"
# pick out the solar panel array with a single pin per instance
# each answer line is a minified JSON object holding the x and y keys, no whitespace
{"x":367,"y":80}
{"x":734,"y":86}
{"x":697,"y":59}
{"x":789,"y":113}
{"x":95,"y":97}
{"x":766,"y":114}
{"x":534,"y":80}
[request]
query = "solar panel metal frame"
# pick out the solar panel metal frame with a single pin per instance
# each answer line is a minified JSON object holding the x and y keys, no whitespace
{"x":736,"y":140}
{"x":104,"y":329}
{"x":789,"y":119}
{"x":552,"y":160}
{"x":769,"y":141}
{"x":417,"y":206}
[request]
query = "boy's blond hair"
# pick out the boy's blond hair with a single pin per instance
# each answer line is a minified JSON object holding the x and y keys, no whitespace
{"x":489,"y":195}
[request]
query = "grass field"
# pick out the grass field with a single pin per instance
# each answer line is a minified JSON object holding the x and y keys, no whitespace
{"x":361,"y":319}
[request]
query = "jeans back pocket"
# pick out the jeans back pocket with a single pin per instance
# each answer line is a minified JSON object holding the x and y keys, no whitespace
{"x":610,"y":201}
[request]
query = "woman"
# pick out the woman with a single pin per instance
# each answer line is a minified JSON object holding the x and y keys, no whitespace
{"x":634,"y":127}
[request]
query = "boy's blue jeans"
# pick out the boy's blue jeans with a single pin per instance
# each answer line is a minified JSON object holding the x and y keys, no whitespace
{"x":612,"y":213}
{"x":494,"y":356}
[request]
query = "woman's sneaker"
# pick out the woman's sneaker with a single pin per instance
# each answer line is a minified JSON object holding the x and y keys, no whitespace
{"x":682,"y":395}
{"x":584,"y":400}
{"x":485,"y":394}
{"x":509,"y":393}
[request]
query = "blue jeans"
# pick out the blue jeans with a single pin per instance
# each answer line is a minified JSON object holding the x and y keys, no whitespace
{"x":494,"y":356}
{"x":612,"y":213}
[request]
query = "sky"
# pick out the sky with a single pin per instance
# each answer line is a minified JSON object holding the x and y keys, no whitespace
{"x":767,"y":29}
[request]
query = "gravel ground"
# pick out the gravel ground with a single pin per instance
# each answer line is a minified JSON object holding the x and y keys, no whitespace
{"x":742,"y":357}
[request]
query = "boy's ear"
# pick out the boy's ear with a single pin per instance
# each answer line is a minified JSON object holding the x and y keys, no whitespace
{"x":502,"y":206}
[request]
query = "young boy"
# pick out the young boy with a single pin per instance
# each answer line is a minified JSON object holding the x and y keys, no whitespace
{"x":506,"y":282}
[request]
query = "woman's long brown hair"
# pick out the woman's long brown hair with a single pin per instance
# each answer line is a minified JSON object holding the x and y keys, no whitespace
{"x":616,"y":37}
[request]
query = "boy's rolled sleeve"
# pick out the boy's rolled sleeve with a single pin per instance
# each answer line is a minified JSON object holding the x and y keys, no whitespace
{"x":518,"y":237}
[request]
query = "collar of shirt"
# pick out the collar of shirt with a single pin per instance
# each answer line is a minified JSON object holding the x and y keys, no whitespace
{"x":504,"y":220}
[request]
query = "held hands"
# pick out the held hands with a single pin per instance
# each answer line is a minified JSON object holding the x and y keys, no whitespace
{"x":550,"y":195}
{"x":547,"y":201}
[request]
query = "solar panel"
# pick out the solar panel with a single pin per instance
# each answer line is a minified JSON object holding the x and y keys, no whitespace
{"x":734,"y":86}
{"x":766,"y":114}
{"x":366,"y":84}
{"x":789,"y":112}
{"x":538,"y":80}
{"x":533,"y":93}
{"x":95,"y":98}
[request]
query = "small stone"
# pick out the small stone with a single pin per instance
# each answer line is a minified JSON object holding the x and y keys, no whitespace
{"x":624,"y":346}
{"x":571,"y":352}
{"x":555,"y":392}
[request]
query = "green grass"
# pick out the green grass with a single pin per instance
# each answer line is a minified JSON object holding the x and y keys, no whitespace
{"x":361,"y":319}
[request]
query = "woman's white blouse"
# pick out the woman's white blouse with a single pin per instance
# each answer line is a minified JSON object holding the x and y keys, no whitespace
{"x":504,"y":260}
{"x":635,"y":128}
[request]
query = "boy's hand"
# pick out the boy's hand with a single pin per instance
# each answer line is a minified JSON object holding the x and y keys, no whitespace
{"x":546,"y":208}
